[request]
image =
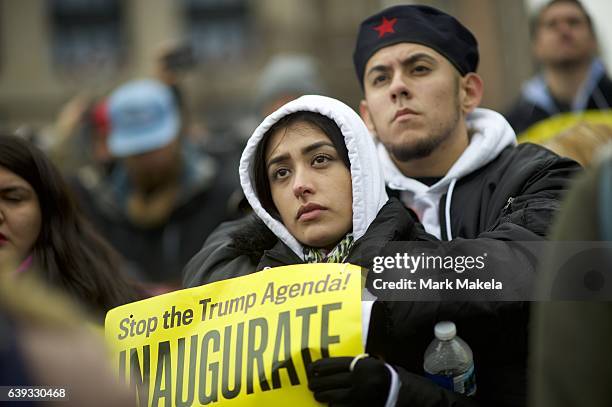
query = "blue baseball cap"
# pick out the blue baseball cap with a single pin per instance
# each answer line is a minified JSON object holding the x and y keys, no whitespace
{"x":143,"y":117}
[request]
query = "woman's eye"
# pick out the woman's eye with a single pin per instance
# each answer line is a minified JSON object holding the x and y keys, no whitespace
{"x":321,"y":159}
{"x":13,"y":198}
{"x":280,"y":173}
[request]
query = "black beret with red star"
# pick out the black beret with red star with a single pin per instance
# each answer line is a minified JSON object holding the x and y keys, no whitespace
{"x":420,"y":25}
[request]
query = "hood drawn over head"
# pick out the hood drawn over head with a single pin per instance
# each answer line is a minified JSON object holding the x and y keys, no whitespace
{"x":368,"y":185}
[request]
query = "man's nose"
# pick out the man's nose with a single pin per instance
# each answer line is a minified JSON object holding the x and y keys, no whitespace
{"x":399,"y":88}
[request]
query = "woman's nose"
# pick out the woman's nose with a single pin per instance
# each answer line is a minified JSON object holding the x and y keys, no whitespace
{"x":302,"y":185}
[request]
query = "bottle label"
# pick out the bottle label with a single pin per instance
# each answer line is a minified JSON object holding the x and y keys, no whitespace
{"x":464,"y":383}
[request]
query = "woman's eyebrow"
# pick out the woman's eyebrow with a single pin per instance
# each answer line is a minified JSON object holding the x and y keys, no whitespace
{"x":315,"y":146}
{"x":277,"y":159}
{"x":304,"y":151}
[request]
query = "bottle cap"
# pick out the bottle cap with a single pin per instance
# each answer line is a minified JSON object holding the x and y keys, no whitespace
{"x":445,"y":330}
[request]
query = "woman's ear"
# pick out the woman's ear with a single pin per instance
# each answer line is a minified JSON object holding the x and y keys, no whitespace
{"x":470,"y":93}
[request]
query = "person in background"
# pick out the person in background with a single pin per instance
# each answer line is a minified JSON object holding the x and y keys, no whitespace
{"x":79,"y":137}
{"x":46,"y":340}
{"x":43,"y":232}
{"x":573,"y":78}
{"x":571,"y":335}
{"x":285,"y":78}
{"x":162,"y":198}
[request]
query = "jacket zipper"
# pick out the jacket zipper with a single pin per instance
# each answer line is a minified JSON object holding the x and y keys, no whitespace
{"x":507,"y":207}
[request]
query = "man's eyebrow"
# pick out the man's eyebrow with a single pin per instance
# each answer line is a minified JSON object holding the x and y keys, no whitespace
{"x":408,"y":61}
{"x":377,"y":68}
{"x":417,"y":57}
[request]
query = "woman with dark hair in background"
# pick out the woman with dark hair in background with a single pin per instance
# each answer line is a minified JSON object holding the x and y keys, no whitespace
{"x":41,"y":229}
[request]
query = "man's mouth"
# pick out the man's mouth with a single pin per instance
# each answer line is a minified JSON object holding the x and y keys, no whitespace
{"x":404,"y":113}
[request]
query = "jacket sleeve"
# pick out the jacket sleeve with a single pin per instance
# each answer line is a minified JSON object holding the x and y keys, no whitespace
{"x":541,"y":185}
{"x":219,"y":259}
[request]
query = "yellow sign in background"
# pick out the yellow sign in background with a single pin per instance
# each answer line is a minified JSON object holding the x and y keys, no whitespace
{"x":239,"y":342}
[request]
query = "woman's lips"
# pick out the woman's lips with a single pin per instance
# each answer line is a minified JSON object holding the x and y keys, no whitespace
{"x":3,"y":239}
{"x":310,"y":215}
{"x":309,"y":211}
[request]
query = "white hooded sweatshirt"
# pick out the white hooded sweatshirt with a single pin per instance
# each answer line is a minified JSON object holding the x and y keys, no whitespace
{"x":489,"y":133}
{"x":369,"y":194}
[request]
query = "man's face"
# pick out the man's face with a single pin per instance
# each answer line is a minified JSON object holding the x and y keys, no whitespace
{"x":154,"y":168}
{"x":563,"y":36}
{"x":412,"y":99}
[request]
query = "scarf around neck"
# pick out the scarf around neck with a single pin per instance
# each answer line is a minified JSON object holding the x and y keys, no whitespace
{"x":336,"y":255}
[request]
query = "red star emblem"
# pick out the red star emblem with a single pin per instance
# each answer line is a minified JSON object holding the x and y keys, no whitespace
{"x":386,"y":26}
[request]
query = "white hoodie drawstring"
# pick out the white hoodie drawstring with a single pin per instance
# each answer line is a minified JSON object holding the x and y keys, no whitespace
{"x":449,"y":196}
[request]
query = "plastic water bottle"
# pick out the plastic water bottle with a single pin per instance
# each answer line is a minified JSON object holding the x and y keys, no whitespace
{"x":449,"y":361}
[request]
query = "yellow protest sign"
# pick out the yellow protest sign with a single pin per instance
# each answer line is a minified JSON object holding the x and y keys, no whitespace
{"x":546,"y":129}
{"x":239,"y":342}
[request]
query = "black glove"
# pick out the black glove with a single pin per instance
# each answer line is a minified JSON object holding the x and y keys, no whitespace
{"x":331,"y":381}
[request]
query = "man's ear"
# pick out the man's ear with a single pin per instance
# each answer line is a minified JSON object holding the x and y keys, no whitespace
{"x":471,"y":92}
{"x":365,"y":116}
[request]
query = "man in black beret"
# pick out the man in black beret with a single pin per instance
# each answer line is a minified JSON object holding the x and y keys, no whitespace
{"x":458,"y":168}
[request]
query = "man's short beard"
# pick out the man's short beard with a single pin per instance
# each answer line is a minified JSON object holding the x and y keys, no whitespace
{"x":422,"y":149}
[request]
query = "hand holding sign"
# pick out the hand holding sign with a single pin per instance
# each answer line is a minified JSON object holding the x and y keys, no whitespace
{"x":333,"y":381}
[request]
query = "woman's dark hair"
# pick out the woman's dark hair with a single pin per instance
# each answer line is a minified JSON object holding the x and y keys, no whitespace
{"x":68,"y":252}
{"x":327,"y":126}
